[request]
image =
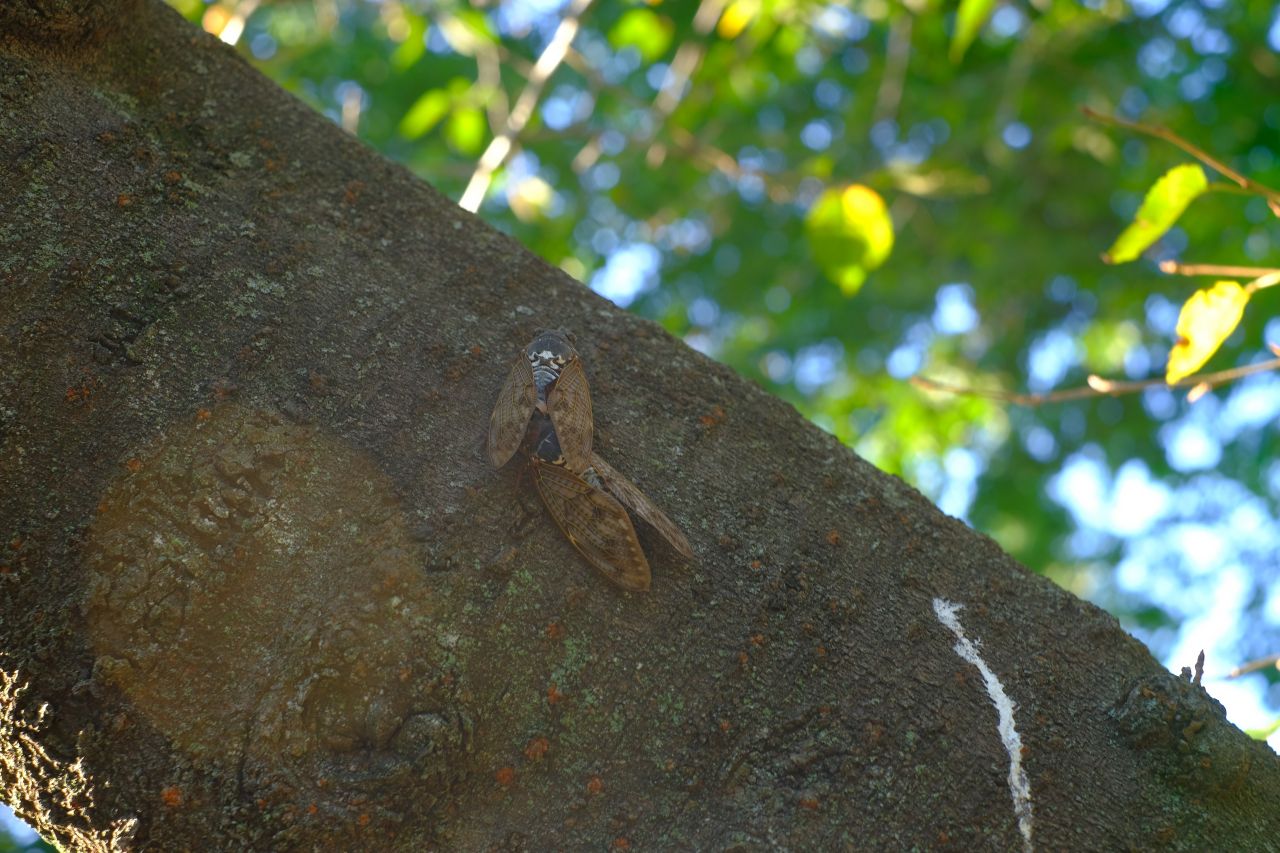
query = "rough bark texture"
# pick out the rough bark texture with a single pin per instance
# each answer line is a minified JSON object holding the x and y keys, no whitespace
{"x":260,"y":589}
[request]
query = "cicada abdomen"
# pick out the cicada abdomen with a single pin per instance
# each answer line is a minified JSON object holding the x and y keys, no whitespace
{"x":548,"y":378}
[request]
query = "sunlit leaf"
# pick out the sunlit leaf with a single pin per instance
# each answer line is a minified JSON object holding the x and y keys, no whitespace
{"x":414,"y":43}
{"x":530,"y":198}
{"x":736,"y":18}
{"x":1165,"y":202}
{"x":425,"y":113}
{"x":468,"y":31}
{"x":645,"y":30}
{"x":850,"y":234}
{"x":970,"y":17}
{"x":1207,"y":318}
{"x":466,"y":129}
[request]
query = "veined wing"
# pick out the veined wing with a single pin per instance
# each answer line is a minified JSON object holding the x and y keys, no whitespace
{"x":569,"y":405}
{"x":638,"y":502}
{"x":595,"y":523}
{"x":511,"y":413}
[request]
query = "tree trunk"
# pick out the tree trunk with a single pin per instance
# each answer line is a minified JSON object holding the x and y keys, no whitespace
{"x":261,"y":589}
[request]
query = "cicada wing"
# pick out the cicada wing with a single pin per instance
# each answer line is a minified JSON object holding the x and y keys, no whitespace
{"x":638,"y":502}
{"x":569,"y":404}
{"x":511,"y":414}
{"x":595,"y":523}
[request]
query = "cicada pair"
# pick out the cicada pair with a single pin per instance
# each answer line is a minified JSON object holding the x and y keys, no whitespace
{"x":545,"y":408}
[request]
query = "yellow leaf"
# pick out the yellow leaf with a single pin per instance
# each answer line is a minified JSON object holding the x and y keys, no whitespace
{"x":1207,"y":318}
{"x":850,"y":234}
{"x":736,"y":17}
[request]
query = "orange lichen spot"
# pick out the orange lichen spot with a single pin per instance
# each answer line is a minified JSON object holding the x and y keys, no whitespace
{"x":125,"y":200}
{"x":505,"y":776}
{"x":821,"y":651}
{"x":536,"y":748}
{"x":555,"y":631}
{"x":6,"y":570}
{"x":75,"y":395}
{"x":833,"y":537}
{"x":756,"y":564}
{"x":743,"y":658}
{"x":712,"y":418}
{"x":809,"y":803}
{"x":351,"y":194}
{"x":757,"y":639}
{"x":621,"y":843}
{"x":553,"y":694}
{"x":477,"y":350}
{"x":171,"y":177}
{"x":405,"y":673}
{"x":134,"y":465}
{"x":725,"y":725}
{"x":171,"y":796}
{"x":312,"y":809}
{"x":203,"y":414}
{"x":363,"y":820}
{"x":262,"y":803}
{"x":595,"y":785}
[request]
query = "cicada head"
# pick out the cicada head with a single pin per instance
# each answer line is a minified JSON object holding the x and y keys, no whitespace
{"x":548,"y":353}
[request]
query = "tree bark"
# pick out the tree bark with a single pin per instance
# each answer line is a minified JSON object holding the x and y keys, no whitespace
{"x":261,"y":590}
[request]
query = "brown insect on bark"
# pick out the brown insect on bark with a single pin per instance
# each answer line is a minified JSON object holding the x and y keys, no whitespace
{"x":638,"y":502}
{"x":594,"y":522}
{"x":548,"y":378}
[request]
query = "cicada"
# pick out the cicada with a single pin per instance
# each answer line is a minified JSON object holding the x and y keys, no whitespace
{"x":546,"y":378}
{"x":603,"y":474}
{"x":595,"y":523}
{"x":589,"y":510}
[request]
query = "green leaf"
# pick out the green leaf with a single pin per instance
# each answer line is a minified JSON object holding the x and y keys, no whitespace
{"x":1165,"y":202}
{"x":466,"y":130}
{"x":850,"y":234}
{"x":970,"y":17}
{"x":414,"y":45}
{"x":1206,"y":320}
{"x":425,"y":113}
{"x":644,"y":30}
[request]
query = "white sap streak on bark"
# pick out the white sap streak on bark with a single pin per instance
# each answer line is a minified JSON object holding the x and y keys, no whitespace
{"x":1019,"y":784}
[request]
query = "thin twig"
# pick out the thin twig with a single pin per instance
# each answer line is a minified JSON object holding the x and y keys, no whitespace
{"x":897,"y":55}
{"x":681,"y":70}
{"x":500,"y":147}
{"x":1175,"y":268}
{"x":1255,"y":665}
{"x":1097,"y":387}
{"x":1262,"y":282}
{"x":1272,"y":196}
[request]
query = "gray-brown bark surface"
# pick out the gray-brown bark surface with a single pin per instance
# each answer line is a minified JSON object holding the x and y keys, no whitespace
{"x":260,"y":589}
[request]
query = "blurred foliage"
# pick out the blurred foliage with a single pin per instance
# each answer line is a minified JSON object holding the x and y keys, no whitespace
{"x":688,"y":159}
{"x":16,"y":838}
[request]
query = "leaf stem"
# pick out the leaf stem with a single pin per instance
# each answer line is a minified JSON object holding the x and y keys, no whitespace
{"x":1097,"y":386}
{"x":1176,"y":268}
{"x":1155,"y":130}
